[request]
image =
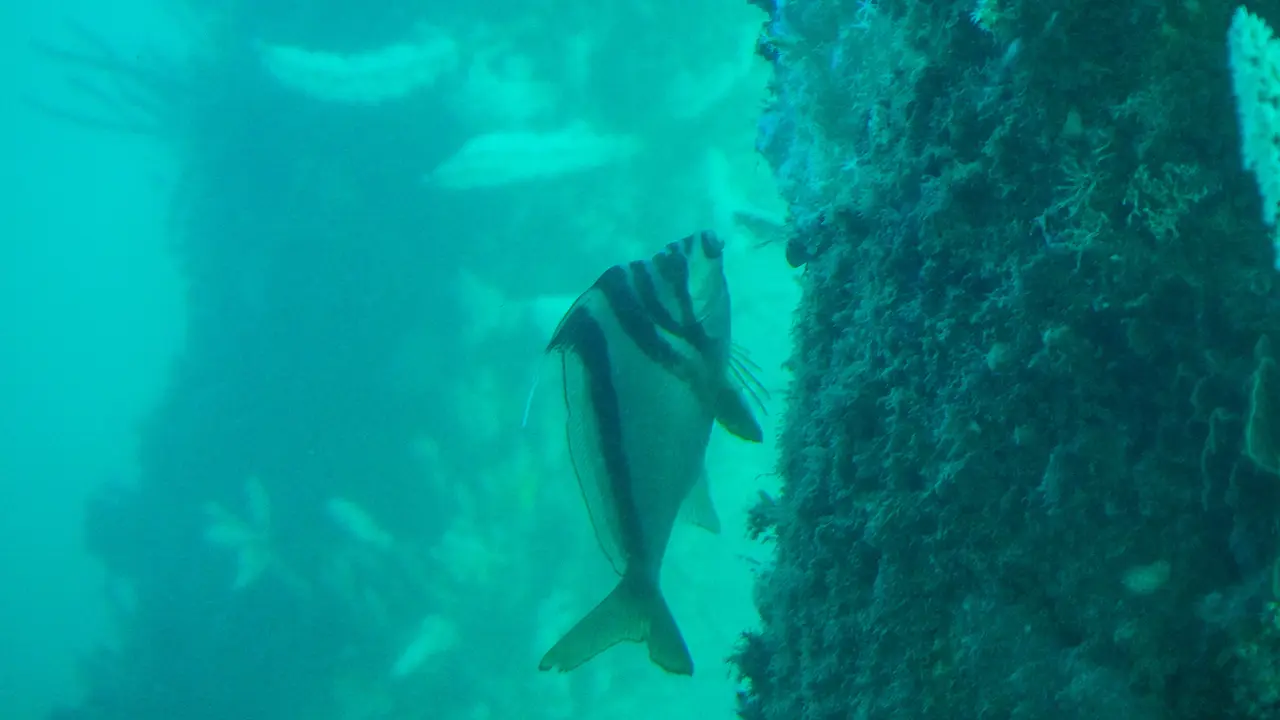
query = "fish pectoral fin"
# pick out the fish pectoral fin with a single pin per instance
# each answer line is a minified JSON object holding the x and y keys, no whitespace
{"x":743,"y":373}
{"x":634,"y":612}
{"x":699,"y":509}
{"x":734,"y":414}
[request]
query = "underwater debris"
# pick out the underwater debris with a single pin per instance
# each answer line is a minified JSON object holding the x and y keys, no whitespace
{"x":370,"y":78}
{"x":359,"y":524}
{"x":249,"y":538}
{"x":136,"y":93}
{"x":505,"y":158}
{"x":435,"y":635}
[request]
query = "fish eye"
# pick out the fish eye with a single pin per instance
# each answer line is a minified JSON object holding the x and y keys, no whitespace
{"x":712,"y":245}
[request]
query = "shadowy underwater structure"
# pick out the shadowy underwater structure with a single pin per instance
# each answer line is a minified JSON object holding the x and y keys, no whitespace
{"x":297,"y":226}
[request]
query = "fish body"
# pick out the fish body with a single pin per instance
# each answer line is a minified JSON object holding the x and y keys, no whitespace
{"x":647,"y":368}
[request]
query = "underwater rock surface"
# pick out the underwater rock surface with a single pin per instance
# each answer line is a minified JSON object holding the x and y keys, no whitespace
{"x":1034,"y":337}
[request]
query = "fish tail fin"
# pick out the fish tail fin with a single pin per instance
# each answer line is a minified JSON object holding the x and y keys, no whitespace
{"x":634,"y":612}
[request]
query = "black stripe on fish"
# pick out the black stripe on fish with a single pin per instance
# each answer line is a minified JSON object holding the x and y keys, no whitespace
{"x":712,"y":246}
{"x":647,"y":292}
{"x":632,"y":295}
{"x":673,"y":269}
{"x":581,"y":334}
{"x":636,"y":318}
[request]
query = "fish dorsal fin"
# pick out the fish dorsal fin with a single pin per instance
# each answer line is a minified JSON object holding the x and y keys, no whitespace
{"x":739,"y":391}
{"x":574,"y":343}
{"x":742,"y":373}
{"x":699,"y":509}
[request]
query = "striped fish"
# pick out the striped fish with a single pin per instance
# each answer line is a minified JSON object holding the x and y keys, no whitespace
{"x":648,"y":367}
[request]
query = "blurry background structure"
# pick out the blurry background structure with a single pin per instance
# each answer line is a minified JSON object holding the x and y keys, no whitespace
{"x":309,"y":256}
{"x":90,"y":317}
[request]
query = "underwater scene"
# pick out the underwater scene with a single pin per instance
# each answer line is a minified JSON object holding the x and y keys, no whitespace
{"x":615,"y":359}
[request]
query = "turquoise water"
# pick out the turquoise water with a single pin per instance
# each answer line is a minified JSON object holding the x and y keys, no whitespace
{"x":264,"y":364}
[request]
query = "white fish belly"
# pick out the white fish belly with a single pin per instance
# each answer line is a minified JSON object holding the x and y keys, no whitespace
{"x":665,"y":430}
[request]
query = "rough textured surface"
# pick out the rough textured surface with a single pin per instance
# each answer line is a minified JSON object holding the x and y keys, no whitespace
{"x":1014,"y":478}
